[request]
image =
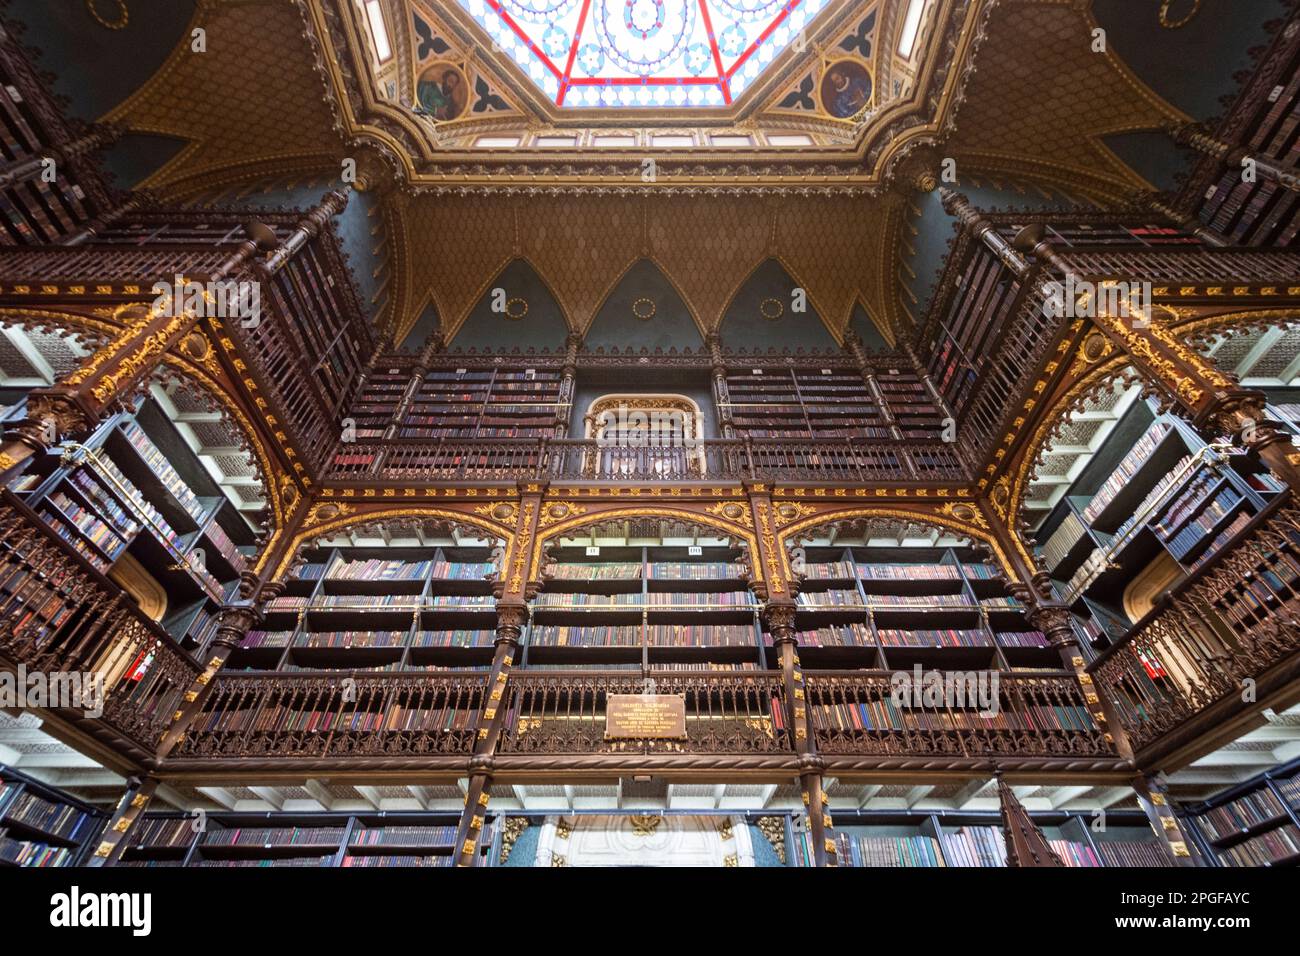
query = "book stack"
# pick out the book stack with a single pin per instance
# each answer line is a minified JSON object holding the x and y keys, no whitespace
{"x":404,"y":836}
{"x":378,"y":569}
{"x":837,"y":598}
{"x":837,"y":635}
{"x":1241,"y":814}
{"x":162,"y":468}
{"x":560,"y":599}
{"x":163,"y":832}
{"x":1119,"y":853}
{"x":1074,"y":854}
{"x":1063,"y":539}
{"x":1022,"y":639}
{"x":424,"y":860}
{"x":1197,"y":529}
{"x":461,"y":570}
{"x":859,"y":851}
{"x":461,"y":638}
{"x":53,"y":819}
{"x":606,"y":635}
{"x":221,"y":541}
{"x":34,"y":855}
{"x":699,"y":635}
{"x":1124,"y":472}
{"x":909,"y":572}
{"x":933,"y":638}
{"x":716,"y":571}
{"x":289,"y":862}
{"x":838,"y":570}
{"x":607,"y":571}
{"x":697,"y":599}
{"x":351,"y":639}
{"x":918,"y":600}
{"x":1264,"y":850}
{"x":1290,"y":790}
{"x":975,"y":846}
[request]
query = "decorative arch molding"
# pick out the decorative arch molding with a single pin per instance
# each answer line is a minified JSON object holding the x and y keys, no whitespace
{"x":963,"y":517}
{"x":1195,"y":330}
{"x":330,"y":517}
{"x":561,"y":518}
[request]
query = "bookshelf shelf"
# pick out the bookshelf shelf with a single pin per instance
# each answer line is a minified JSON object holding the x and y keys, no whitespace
{"x":42,"y":827}
{"x":1256,"y":823}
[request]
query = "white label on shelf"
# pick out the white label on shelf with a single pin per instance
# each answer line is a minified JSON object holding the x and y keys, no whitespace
{"x":14,"y":94}
{"x":530,"y":373}
{"x":826,"y":371}
{"x":593,"y":552}
{"x":461,"y":371}
{"x":1277,"y":91}
{"x":758,"y":371}
{"x":695,"y":551}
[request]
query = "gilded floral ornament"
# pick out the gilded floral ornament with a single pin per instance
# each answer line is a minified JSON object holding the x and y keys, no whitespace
{"x":733,"y":511}
{"x":560,"y":511}
{"x":790,"y":511}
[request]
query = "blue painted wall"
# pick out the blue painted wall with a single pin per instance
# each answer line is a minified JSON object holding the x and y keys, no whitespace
{"x":744,"y":327}
{"x":543,"y":326}
{"x":617,"y":327}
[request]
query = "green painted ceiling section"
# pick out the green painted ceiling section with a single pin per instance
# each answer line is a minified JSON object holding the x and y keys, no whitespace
{"x":1192,"y":66}
{"x":541,"y":327}
{"x":770,"y":291}
{"x":97,"y":68}
{"x":644,"y":290}
{"x":866,"y":329}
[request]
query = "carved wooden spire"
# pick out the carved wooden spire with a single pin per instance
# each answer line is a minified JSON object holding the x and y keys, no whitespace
{"x":1026,"y":845}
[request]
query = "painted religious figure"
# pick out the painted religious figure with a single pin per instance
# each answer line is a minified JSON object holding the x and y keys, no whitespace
{"x":845,"y":88}
{"x":442,"y":91}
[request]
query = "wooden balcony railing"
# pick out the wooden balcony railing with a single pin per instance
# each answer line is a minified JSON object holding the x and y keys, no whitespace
{"x":556,"y":713}
{"x":1035,"y":716}
{"x":807,"y":459}
{"x":60,"y":616}
{"x":1227,"y":625}
{"x":337,"y":715}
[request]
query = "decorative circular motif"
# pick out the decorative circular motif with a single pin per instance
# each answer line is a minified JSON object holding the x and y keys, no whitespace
{"x":643,"y":18}
{"x":555,"y":41}
{"x":963,"y":512}
{"x":516,"y":308}
{"x":771,"y":309}
{"x":732,"y":511}
{"x":538,"y":11}
{"x":644,"y":309}
{"x":123,"y":15}
{"x":1094,"y":347}
{"x":503,"y":511}
{"x":732,"y":40}
{"x":591,"y":58}
{"x":845,"y":88}
{"x":752,"y":9}
{"x":644,"y":54}
{"x":194,"y":346}
{"x":697,"y":59}
{"x":786,"y":512}
{"x":1171,"y":24}
{"x":442,"y":91}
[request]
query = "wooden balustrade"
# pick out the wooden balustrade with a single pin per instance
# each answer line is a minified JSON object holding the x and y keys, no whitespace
{"x":853,"y":460}
{"x":1214,"y":637}
{"x":60,"y":616}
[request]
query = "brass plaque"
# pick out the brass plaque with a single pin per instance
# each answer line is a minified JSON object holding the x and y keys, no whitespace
{"x":643,"y":716}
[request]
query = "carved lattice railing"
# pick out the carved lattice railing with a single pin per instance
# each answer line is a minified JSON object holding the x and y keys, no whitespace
{"x":60,"y":617}
{"x":1034,"y":716}
{"x":1221,"y":629}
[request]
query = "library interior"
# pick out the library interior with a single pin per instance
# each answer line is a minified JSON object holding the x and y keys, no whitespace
{"x":482,"y":433}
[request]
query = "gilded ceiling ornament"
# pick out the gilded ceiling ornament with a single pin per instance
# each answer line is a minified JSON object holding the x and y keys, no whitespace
{"x":503,"y":511}
{"x":644,"y":309}
{"x":123,"y":15}
{"x":516,"y":308}
{"x":1169,"y":22}
{"x":645,"y":824}
{"x":788,"y":511}
{"x":732,"y":511}
{"x":559,"y":511}
{"x":328,"y":511}
{"x":771,"y":309}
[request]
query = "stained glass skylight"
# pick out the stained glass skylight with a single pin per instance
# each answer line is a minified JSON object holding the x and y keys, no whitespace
{"x":643,"y":53}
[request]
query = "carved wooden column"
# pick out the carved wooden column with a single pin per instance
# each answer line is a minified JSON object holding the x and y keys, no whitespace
{"x":23,"y":170}
{"x":853,"y":345}
{"x":1196,"y":137}
{"x":1153,"y":797}
{"x":568,"y":385}
{"x":125,"y":821}
{"x":513,"y":590}
{"x":721,"y":395}
{"x":1026,"y":845}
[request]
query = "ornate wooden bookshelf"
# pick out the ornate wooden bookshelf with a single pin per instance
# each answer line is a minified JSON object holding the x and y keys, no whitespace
{"x":1256,"y":823}
{"x":41,"y":826}
{"x":133,"y":496}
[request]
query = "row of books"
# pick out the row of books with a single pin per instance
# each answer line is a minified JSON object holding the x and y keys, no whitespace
{"x":35,"y":855}
{"x":260,"y":638}
{"x":891,"y":637}
{"x":163,"y":832}
{"x":975,"y":847}
{"x":281,"y":717}
{"x":228,"y":549}
{"x":1074,"y":854}
{"x":378,"y":569}
{"x":909,"y":572}
{"x":1142,"y":450}
{"x":343,"y":639}
{"x":163,"y":470}
{"x":55,"y":819}
{"x":1062,"y":540}
{"x":1125,"y":853}
{"x":839,"y":635}
{"x":908,"y":851}
{"x":442,"y":836}
{"x":686,"y":571}
{"x":1241,"y":814}
{"x":596,"y":571}
{"x":457,"y":638}
{"x":1197,"y":529}
{"x":699,"y":635}
{"x":599,"y":635}
{"x":1265,"y":849}
{"x":405,"y":860}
